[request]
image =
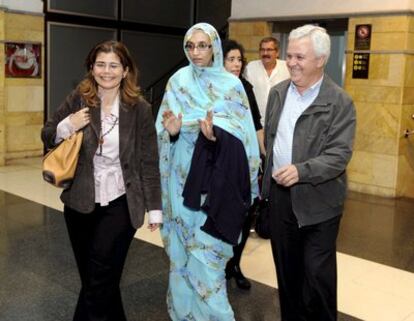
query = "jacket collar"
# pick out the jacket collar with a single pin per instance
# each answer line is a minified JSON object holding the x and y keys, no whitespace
{"x":323,"y":100}
{"x":326,"y":92}
{"x":96,"y":120}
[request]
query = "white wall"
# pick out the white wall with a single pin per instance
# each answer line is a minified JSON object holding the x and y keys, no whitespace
{"x":259,"y":9}
{"x":23,"y":5}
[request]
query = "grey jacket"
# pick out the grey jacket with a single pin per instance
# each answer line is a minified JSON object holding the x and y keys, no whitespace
{"x":138,"y":155}
{"x":322,"y":147}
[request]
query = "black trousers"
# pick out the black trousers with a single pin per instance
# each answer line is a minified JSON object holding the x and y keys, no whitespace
{"x":100,"y":242}
{"x":305,"y":261}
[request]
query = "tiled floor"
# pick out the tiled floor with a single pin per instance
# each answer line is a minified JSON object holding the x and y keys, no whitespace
{"x":39,"y":282}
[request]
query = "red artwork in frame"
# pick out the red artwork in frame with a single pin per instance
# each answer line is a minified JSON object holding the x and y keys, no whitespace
{"x":22,"y":60}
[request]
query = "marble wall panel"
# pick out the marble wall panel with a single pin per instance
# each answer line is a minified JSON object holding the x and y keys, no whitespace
{"x":410,"y":41}
{"x":25,"y":98}
{"x":24,"y":138}
{"x":389,"y":41}
{"x":367,"y":93}
{"x":409,"y":71}
{"x":406,"y":122}
{"x":249,"y":35}
{"x":405,"y":178}
{"x":2,"y":29}
{"x":373,"y":169}
{"x":379,"y":119}
{"x":21,"y":99}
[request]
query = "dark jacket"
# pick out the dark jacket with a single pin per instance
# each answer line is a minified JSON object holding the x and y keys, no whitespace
{"x":219,"y":170}
{"x":138,"y":155}
{"x":322,"y":147}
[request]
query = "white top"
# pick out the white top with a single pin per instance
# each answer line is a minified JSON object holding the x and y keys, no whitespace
{"x":256,"y":74}
{"x":295,"y":105}
{"x":109,"y":182}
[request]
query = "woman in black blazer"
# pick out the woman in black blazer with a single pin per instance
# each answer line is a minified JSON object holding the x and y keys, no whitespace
{"x":117,"y":177}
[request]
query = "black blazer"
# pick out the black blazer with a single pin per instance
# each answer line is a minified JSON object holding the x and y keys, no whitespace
{"x":138,"y":155}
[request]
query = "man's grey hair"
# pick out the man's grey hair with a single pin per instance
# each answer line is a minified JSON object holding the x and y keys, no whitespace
{"x":320,"y":39}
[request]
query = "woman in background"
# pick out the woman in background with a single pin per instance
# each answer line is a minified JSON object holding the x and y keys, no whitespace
{"x":117,"y":176}
{"x":234,"y":62}
{"x":204,"y":119}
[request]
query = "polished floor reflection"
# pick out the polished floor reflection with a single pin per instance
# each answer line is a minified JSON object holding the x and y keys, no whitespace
{"x":379,"y":230}
{"x":39,"y":280}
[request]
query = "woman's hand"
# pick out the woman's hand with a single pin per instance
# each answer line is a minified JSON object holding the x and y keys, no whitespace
{"x":80,"y":119}
{"x":153,"y":226}
{"x":171,"y":122}
{"x":206,"y":126}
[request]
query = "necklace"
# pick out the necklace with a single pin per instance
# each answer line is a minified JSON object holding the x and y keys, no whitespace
{"x":103,"y":134}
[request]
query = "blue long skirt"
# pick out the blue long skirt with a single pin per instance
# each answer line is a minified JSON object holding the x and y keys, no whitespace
{"x":197,"y":286}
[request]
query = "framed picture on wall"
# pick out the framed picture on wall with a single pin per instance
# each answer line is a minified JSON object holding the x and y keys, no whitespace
{"x":22,"y":60}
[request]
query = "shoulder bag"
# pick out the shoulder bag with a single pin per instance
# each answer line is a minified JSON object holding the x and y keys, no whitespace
{"x":59,"y":164}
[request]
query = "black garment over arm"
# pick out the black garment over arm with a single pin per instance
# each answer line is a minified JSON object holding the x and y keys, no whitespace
{"x":221,"y":171}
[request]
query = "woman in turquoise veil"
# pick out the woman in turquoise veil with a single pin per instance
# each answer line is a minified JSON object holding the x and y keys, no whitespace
{"x":198,"y":97}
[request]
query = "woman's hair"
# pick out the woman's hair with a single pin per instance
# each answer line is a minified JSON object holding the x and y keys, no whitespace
{"x":129,"y":91}
{"x":230,"y":44}
{"x":320,"y":39}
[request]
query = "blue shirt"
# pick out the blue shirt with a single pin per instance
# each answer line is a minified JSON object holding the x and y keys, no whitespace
{"x":294,"y":106}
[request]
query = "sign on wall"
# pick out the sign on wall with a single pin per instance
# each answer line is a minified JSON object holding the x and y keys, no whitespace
{"x":22,"y":60}
{"x":360,"y":64}
{"x":362,"y":37}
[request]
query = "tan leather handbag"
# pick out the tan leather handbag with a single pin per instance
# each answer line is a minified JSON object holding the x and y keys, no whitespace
{"x":59,"y":164}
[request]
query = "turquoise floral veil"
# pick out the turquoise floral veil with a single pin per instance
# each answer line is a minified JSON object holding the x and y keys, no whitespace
{"x":194,"y":90}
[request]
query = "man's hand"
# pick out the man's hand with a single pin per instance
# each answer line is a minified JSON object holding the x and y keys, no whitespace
{"x":286,"y":175}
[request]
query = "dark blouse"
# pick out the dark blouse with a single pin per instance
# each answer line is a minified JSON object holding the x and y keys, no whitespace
{"x":253,"y":104}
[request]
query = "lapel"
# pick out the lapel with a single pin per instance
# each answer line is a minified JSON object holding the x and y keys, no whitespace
{"x":126,"y":124}
{"x":276,"y":112}
{"x":321,"y":103}
{"x":96,"y":120}
{"x":324,"y":98}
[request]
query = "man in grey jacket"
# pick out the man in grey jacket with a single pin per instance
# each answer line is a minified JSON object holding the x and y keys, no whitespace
{"x":309,"y":132}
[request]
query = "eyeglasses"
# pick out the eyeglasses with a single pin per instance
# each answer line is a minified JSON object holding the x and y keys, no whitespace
{"x":267,"y":49}
{"x":201,"y":46}
{"x":112,"y":65}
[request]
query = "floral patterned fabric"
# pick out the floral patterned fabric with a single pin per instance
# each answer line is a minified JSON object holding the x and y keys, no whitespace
{"x":197,"y":286}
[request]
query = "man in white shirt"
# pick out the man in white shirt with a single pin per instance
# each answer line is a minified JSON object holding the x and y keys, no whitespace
{"x":263,"y":74}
